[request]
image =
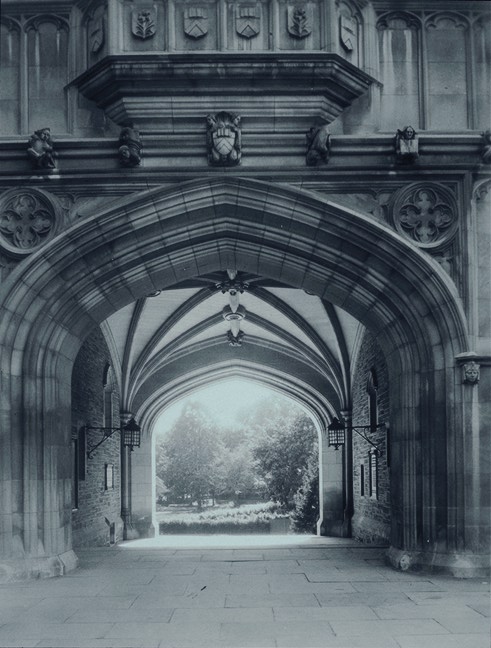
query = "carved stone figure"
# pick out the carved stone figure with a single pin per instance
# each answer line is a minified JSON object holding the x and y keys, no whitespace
{"x":130,"y":147}
{"x":143,"y":23}
{"x":223,"y":139}
{"x":406,"y":145}
{"x":248,"y":21}
{"x":471,"y":373}
{"x":318,"y":145}
{"x":486,"y":149}
{"x":196,"y":22}
{"x":40,"y":149}
{"x":299,"y":21}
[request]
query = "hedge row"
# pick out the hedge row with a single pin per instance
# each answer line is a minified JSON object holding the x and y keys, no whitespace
{"x":213,"y":526}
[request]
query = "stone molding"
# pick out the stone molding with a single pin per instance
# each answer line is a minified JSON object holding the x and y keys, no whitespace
{"x":142,"y":88}
{"x":184,"y":152}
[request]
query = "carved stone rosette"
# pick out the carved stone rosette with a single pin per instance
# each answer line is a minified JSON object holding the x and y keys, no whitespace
{"x":27,"y":220}
{"x":425,"y":213}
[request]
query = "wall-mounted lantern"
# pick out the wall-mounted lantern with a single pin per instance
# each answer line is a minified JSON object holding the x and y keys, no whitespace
{"x":130,"y":434}
{"x":336,"y":433}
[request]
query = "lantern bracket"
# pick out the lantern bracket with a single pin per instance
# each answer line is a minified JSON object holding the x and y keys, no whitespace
{"x":130,"y":434}
{"x":336,"y":433}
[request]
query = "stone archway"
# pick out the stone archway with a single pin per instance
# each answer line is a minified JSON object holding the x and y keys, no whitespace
{"x":159,"y":237}
{"x":319,"y":407}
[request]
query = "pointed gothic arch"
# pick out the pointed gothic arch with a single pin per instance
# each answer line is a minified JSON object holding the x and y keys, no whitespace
{"x":157,"y":238}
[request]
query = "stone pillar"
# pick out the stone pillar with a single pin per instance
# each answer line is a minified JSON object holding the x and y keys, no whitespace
{"x":332,"y":492}
{"x":142,"y":488}
{"x":474,"y":379}
{"x":348,"y":474}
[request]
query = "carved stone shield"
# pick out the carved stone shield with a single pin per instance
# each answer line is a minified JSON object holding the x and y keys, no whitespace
{"x":248,"y":21}
{"x":96,"y":31}
{"x":300,"y":20}
{"x":143,"y":22}
{"x":347,"y":32}
{"x":223,"y":139}
{"x":196,"y":22}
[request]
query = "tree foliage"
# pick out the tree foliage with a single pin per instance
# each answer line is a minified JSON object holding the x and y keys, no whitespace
{"x":288,"y":442}
{"x":304,"y":517}
{"x":237,"y":472}
{"x":188,"y":458}
{"x":271,"y":450}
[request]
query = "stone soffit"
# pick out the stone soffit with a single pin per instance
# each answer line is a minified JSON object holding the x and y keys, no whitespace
{"x":136,"y":87}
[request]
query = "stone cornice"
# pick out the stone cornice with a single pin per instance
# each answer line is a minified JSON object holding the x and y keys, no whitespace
{"x":145,"y":88}
{"x":479,"y":6}
{"x":179,"y":156}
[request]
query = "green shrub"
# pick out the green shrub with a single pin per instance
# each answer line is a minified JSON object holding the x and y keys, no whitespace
{"x":253,"y":518}
{"x":306,"y":513}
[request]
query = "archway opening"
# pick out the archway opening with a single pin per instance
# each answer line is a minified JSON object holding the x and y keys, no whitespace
{"x":236,"y":457}
{"x":165,"y":237}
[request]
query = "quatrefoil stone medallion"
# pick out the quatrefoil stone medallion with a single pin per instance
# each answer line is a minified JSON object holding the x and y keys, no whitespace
{"x":27,"y":220}
{"x":425,"y":213}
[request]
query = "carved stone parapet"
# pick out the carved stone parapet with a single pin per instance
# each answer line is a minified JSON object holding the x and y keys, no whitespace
{"x":425,"y":213}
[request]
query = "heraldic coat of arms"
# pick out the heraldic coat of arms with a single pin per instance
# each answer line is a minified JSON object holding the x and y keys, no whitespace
{"x":223,"y":139}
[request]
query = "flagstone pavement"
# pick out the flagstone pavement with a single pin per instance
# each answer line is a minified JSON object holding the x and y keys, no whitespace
{"x":259,"y":592}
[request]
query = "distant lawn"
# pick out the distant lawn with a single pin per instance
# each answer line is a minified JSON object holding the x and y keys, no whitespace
{"x":248,"y":518}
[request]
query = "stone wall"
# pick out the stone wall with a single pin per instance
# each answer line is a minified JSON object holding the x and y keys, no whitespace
{"x":97,"y":505}
{"x":371,"y":519}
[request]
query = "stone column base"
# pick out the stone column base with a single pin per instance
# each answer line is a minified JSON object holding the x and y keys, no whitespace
{"x":143,"y":526}
{"x":460,"y":565}
{"x":19,"y":569}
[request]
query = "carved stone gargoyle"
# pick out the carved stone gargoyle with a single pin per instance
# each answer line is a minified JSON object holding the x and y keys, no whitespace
{"x":406,"y":145}
{"x":40,"y":149}
{"x":130,"y":147}
{"x":318,"y":145}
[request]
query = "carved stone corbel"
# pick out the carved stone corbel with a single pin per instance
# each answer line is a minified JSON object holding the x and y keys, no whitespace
{"x":318,"y":145}
{"x":406,"y":145}
{"x":471,"y":373}
{"x":130,"y":147}
{"x":40,"y":150}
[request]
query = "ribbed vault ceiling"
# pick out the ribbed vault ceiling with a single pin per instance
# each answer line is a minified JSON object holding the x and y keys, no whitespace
{"x":302,"y":340}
